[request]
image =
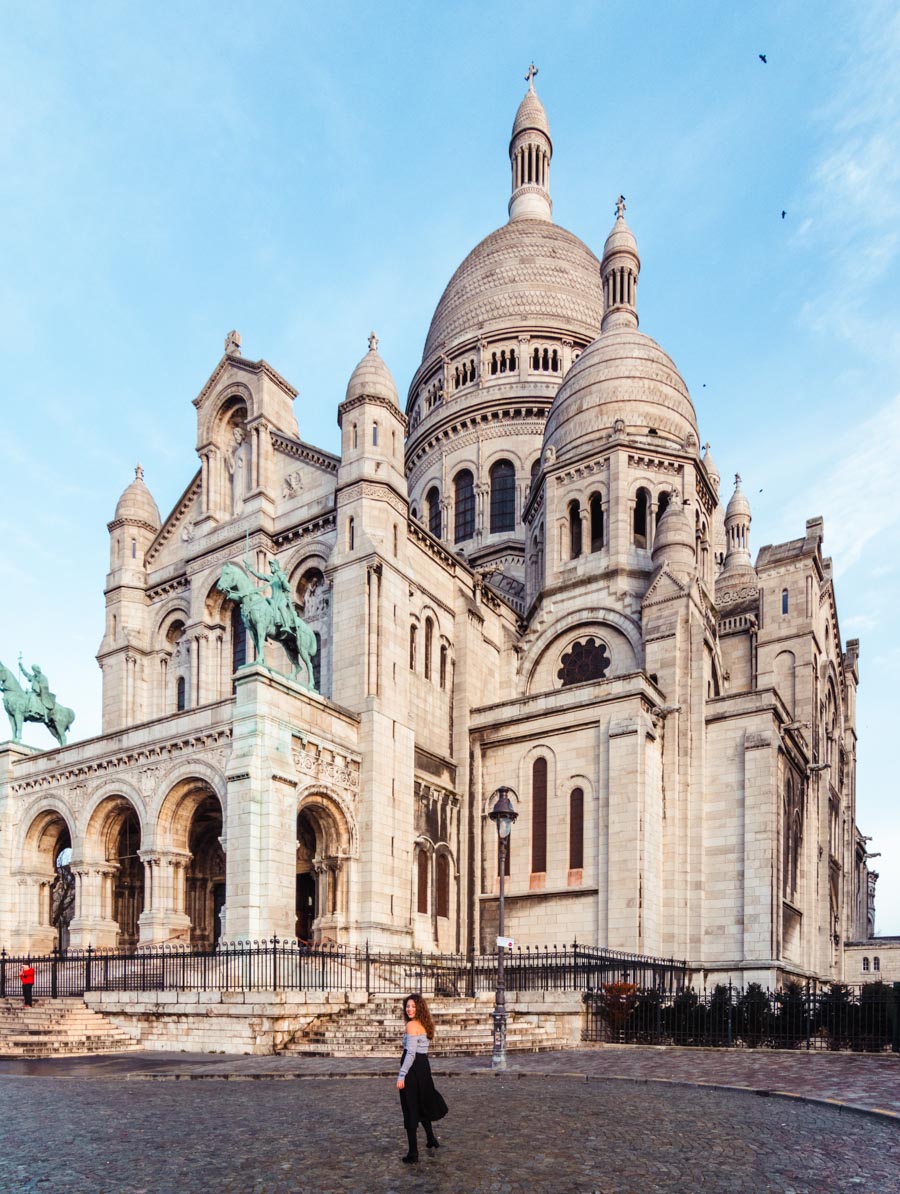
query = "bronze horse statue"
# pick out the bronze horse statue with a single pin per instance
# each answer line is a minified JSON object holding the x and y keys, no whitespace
{"x":264,"y":620}
{"x":22,"y":706}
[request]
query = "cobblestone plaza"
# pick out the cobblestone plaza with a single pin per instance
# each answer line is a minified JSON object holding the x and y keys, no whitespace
{"x":631,"y":1121}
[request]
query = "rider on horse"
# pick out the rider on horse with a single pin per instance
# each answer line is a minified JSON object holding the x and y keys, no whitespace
{"x":39,"y":687}
{"x":286,"y":618}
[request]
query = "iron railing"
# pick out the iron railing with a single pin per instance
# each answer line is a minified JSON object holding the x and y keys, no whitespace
{"x":801,"y":1016}
{"x":290,"y":965}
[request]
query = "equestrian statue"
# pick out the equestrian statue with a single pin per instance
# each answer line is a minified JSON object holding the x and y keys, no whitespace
{"x":271,"y":617}
{"x":36,"y":704}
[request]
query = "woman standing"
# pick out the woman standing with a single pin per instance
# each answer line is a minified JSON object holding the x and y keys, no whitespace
{"x":421,"y":1103}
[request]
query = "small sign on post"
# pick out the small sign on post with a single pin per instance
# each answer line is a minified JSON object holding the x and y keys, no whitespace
{"x":505,"y":943}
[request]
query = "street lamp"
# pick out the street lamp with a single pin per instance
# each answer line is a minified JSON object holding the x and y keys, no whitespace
{"x":503,"y":815}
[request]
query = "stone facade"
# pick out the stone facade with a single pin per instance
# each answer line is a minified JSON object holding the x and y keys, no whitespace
{"x":528,"y":578}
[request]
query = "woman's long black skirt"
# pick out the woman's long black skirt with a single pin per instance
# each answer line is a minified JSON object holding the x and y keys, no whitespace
{"x":420,"y":1101}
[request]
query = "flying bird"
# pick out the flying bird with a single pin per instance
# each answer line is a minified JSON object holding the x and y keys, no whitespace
{"x":783,"y":214}
{"x":763,"y":58}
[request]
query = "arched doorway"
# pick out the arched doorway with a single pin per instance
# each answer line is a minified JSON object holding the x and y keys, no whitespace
{"x":62,"y":893}
{"x":46,"y":885}
{"x":128,"y":889}
{"x":306,"y":883}
{"x":205,"y":893}
{"x":323,"y":849}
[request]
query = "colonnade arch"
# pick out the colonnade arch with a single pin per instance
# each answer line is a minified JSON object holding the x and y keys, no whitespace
{"x":324,"y":845}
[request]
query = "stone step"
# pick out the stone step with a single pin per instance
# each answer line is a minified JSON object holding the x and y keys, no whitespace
{"x":57,"y":1028}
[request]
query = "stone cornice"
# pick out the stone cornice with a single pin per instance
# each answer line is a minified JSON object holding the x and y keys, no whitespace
{"x":205,"y":739}
{"x":244,"y":366}
{"x":171,"y":524}
{"x":299,"y":450}
{"x":322,"y":525}
{"x":351,"y":404}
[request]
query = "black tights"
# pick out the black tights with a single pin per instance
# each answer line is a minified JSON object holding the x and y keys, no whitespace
{"x":411,"y":1135}
{"x":412,"y":1127}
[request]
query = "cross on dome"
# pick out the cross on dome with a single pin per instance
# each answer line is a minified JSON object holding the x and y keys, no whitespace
{"x":620,"y":208}
{"x":373,"y":342}
{"x":529,"y":76}
{"x":138,"y":472}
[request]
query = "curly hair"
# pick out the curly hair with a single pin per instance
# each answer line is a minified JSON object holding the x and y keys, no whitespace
{"x":423,"y":1014}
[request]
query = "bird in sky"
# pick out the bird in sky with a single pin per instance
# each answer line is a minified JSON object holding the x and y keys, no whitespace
{"x":783,"y":214}
{"x":763,"y":58}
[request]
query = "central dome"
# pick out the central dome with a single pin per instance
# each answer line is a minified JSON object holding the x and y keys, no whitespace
{"x":529,"y":273}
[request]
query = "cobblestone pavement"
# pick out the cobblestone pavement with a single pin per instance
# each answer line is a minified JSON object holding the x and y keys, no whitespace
{"x":504,"y":1134}
{"x":870,"y":1081}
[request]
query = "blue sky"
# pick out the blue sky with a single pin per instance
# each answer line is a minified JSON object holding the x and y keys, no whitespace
{"x":306,"y":173}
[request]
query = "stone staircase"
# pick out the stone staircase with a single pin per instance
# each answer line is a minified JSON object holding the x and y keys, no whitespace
{"x":463,"y":1027}
{"x":57,"y":1028}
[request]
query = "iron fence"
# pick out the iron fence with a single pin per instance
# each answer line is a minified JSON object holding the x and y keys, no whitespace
{"x":801,"y":1016}
{"x":290,"y":965}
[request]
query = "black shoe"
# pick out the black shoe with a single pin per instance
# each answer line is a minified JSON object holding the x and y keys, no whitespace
{"x":410,"y":1158}
{"x":433,"y":1143}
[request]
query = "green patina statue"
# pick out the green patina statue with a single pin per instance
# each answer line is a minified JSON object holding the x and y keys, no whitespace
{"x":270,"y":617}
{"x":38,"y":704}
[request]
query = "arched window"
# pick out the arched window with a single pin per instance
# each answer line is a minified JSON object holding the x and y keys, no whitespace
{"x":443,"y":676}
{"x":576,"y":829}
{"x":317,"y":662}
{"x":355,"y":436}
{"x":596,"y":522}
{"x":784,"y":601}
{"x":375,"y":435}
{"x":442,"y":878}
{"x":588,"y":660}
{"x":422,"y":893}
{"x":536,"y":359}
{"x":494,"y":363}
{"x":512,"y":359}
{"x":396,"y":540}
{"x":574,"y":530}
{"x":134,"y":549}
{"x":865,"y":963}
{"x":433,"y":506}
{"x":238,"y":641}
{"x":539,"y":816}
{"x":503,"y":497}
{"x":554,"y":361}
{"x":876,"y":963}
{"x":545,"y":361}
{"x":639,"y":518}
{"x":662,"y":505}
{"x":464,"y":493}
{"x":181,"y":694}
{"x":429,"y":635}
{"x":351,"y":535}
{"x":412,"y":648}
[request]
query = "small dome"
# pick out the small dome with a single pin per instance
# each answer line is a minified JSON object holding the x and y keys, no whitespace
{"x":674,"y":540}
{"x":531,"y":115}
{"x":738,"y":507}
{"x":371,"y":378}
{"x":623,"y":375}
{"x":620,"y":240}
{"x":136,"y":504}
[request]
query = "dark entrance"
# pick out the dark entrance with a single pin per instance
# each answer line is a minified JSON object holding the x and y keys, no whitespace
{"x":306,"y":905}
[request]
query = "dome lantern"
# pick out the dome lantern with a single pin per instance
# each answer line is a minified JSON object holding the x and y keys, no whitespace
{"x":619,"y":269}
{"x":530,"y":151}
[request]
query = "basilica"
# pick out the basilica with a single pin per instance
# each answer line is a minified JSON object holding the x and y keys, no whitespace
{"x":530,"y":574}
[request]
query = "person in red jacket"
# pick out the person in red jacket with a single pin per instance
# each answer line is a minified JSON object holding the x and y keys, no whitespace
{"x":26,"y":978}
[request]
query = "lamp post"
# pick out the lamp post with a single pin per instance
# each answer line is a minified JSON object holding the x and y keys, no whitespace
{"x":503,"y":815}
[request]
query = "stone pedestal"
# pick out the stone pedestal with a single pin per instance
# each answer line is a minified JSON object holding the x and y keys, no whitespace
{"x":261,"y":805}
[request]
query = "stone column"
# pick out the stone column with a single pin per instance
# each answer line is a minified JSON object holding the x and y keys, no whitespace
{"x":33,"y":931}
{"x":94,"y":922}
{"x":164,"y":918}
